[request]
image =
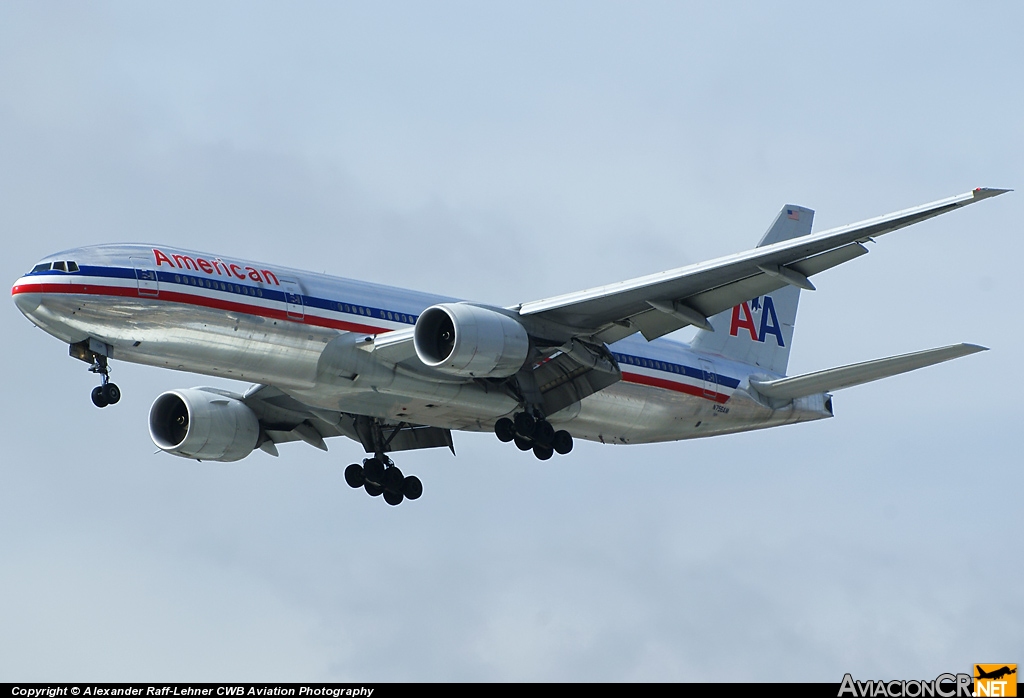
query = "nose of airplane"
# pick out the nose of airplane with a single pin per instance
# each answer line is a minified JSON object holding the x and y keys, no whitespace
{"x":26,"y":302}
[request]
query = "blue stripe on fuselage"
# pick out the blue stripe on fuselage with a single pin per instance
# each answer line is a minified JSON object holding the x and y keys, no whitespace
{"x":237,"y":286}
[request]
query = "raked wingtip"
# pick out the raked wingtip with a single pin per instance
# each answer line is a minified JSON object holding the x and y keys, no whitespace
{"x":988,"y":192}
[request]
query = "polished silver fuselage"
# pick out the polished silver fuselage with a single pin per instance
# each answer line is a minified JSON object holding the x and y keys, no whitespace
{"x":224,"y":317}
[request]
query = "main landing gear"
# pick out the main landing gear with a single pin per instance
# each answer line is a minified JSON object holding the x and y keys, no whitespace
{"x":106,"y":393}
{"x":379,"y":475}
{"x":536,"y":434}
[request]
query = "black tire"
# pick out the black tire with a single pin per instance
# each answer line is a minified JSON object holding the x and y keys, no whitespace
{"x":372,"y":489}
{"x":543,"y":433}
{"x":524,"y":425}
{"x":112,"y":393}
{"x":354,"y":476}
{"x":412,"y":488}
{"x":543,"y":452}
{"x":98,"y":398}
{"x":523,"y":444}
{"x":393,"y":498}
{"x":505,"y":429}
{"x":562,"y":443}
{"x":393,"y":480}
{"x":373,"y":471}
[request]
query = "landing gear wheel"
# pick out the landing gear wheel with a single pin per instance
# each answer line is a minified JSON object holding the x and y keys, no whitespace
{"x":393,"y":480}
{"x":98,"y":398}
{"x":354,"y":476}
{"x":505,"y":429}
{"x":373,"y":471}
{"x":412,"y":488}
{"x":372,"y":489}
{"x":523,"y":444}
{"x":393,"y":498}
{"x":112,"y":393}
{"x":543,"y":433}
{"x":562,"y":442}
{"x":525,"y":425}
{"x":542,"y":452}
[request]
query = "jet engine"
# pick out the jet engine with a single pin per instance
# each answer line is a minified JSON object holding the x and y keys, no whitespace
{"x":197,"y":423}
{"x":466,"y":340}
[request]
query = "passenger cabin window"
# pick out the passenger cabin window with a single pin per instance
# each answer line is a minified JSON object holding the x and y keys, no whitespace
{"x":45,"y":266}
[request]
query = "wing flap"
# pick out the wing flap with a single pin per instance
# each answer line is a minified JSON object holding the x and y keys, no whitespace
{"x":857,"y":374}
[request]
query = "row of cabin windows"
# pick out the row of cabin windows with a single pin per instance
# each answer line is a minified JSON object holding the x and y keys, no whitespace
{"x":383,"y":314}
{"x":245,"y":290}
{"x":647,"y":363}
{"x":56,"y":266}
{"x":206,"y":283}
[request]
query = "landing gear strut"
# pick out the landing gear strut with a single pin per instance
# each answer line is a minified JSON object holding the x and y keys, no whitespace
{"x":106,"y":393}
{"x":380,"y":476}
{"x":95,"y":353}
{"x":530,"y":433}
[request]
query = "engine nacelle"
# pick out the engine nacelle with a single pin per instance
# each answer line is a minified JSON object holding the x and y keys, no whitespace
{"x":467,"y":340}
{"x":197,"y":423}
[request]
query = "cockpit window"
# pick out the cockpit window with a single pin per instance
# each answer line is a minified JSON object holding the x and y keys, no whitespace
{"x":60,"y":266}
{"x":72,"y":266}
{"x":45,"y":266}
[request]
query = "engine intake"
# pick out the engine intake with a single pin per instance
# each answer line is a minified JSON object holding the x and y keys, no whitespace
{"x":197,"y":423}
{"x":466,"y":340}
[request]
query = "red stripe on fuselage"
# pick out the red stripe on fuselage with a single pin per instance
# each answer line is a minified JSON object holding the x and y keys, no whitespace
{"x":204,"y":301}
{"x":673,"y":385}
{"x":275,"y":314}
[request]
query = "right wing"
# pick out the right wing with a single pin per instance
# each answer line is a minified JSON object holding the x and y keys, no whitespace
{"x":661,"y":303}
{"x":283,"y":418}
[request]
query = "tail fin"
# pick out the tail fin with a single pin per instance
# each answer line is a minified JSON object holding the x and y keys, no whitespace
{"x":759,"y":332}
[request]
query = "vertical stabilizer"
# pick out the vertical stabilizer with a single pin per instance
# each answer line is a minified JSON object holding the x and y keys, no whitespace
{"x":759,"y":331}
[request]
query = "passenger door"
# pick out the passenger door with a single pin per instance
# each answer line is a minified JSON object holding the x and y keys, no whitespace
{"x":146,"y":277}
{"x":710,"y":380}
{"x":293,"y":300}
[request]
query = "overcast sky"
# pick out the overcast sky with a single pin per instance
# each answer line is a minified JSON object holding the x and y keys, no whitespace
{"x":504,"y":153}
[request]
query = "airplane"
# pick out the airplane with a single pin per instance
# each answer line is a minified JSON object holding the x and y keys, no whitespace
{"x":399,"y":370}
{"x":995,"y":674}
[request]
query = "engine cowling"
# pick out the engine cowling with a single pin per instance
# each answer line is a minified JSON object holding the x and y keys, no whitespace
{"x":197,"y":423}
{"x":466,"y":340}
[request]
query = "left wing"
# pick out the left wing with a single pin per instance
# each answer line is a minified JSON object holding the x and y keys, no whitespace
{"x":661,"y":303}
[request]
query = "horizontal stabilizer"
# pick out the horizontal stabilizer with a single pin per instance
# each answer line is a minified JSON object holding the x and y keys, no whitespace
{"x":856,"y":374}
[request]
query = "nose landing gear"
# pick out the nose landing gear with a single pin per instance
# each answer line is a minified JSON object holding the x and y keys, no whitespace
{"x":380,"y":476}
{"x":95,"y":353}
{"x":106,"y":393}
{"x":536,"y":434}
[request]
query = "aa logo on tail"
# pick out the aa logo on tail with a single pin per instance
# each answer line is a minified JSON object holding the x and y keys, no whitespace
{"x":743,"y":319}
{"x":995,"y":680}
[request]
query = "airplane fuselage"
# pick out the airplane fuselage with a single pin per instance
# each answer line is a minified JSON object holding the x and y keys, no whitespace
{"x":229,"y":318}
